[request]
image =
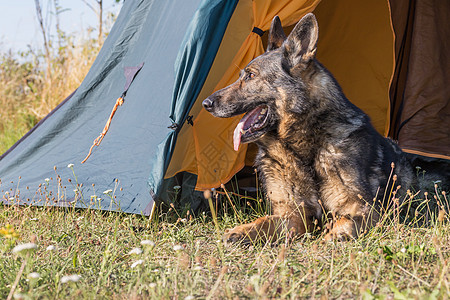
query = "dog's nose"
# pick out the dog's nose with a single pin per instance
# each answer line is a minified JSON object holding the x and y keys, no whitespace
{"x":207,"y":104}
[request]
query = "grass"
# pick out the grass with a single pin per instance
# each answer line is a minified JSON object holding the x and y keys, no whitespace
{"x":398,"y":259}
{"x":29,"y":90}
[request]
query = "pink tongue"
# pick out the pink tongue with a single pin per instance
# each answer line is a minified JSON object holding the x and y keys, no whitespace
{"x":238,"y":131}
{"x":251,"y":116}
{"x":237,"y":135}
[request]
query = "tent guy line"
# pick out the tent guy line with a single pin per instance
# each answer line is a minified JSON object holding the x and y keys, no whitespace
{"x":130,"y":73}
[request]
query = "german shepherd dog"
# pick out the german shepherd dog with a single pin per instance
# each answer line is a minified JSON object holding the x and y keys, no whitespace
{"x":318,"y":153}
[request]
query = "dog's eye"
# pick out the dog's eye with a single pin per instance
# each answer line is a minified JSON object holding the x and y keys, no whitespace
{"x":250,"y":75}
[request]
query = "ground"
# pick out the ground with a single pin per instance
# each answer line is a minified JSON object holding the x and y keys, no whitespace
{"x":123,"y":256}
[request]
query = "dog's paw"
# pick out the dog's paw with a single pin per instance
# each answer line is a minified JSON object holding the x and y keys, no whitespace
{"x":338,"y":237}
{"x":236,"y":235}
{"x":343,"y":230}
{"x":329,"y":237}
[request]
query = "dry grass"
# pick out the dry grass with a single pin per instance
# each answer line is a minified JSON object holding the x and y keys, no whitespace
{"x":401,"y":258}
{"x":29,"y":91}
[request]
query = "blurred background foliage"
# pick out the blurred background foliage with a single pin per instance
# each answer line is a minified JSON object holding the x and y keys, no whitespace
{"x":36,"y":80}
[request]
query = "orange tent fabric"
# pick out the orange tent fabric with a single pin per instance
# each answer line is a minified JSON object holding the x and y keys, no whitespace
{"x":356,"y":45}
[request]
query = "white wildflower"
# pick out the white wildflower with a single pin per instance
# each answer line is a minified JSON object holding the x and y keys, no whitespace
{"x":19,"y":296}
{"x":135,"y":251}
{"x":80,"y":218}
{"x":47,"y":180}
{"x":176,"y":187}
{"x":34,"y":275}
{"x":34,"y":219}
{"x":403,"y":250}
{"x":107,"y":191}
{"x":50,"y":248}
{"x":70,"y":165}
{"x":152,"y":285}
{"x":68,"y":278}
{"x":189,"y":297}
{"x":147,"y":243}
{"x":24,"y":247}
{"x":255,"y":279}
{"x":11,"y":198}
{"x":197,"y":268}
{"x":136,"y":263}
{"x":177,"y":248}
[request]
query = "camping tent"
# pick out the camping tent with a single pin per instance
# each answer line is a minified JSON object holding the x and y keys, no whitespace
{"x":164,"y":57}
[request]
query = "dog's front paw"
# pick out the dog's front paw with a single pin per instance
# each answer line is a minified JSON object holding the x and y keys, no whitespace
{"x":236,"y":235}
{"x":343,"y":230}
{"x":338,"y":237}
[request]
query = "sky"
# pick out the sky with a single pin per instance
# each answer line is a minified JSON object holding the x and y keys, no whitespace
{"x":19,"y":26}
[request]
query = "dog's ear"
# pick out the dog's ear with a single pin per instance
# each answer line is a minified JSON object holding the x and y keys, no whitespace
{"x":301,"y":44}
{"x":276,"y":35}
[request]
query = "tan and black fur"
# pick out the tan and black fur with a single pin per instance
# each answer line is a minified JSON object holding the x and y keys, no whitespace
{"x":318,"y":153}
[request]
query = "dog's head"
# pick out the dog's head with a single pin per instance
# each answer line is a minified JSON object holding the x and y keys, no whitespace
{"x":266,"y":83}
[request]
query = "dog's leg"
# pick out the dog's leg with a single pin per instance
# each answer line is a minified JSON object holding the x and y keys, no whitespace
{"x":291,"y":191}
{"x":269,"y":228}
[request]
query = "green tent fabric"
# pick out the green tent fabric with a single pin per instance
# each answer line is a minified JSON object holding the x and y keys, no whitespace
{"x":177,"y":41}
{"x":193,"y":63}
